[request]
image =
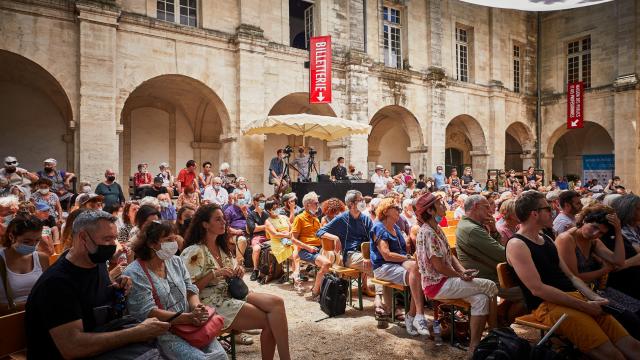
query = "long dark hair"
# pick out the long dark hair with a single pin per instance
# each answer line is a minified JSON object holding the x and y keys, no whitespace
{"x":196,"y":233}
{"x":144,"y":212}
{"x":20,"y":225}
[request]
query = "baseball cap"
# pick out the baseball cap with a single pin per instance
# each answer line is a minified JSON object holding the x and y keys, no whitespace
{"x":158,"y":179}
{"x":379,"y":167}
{"x":42,"y":206}
{"x":51,"y":161}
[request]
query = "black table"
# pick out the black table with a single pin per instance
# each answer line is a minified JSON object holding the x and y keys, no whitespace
{"x":331,"y":189}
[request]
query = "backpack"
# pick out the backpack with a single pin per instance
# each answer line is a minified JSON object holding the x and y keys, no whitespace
{"x":502,"y":344}
{"x":333,"y":295}
{"x":268,"y":265}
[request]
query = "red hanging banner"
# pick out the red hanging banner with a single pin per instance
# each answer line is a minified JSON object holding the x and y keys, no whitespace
{"x":320,"y":70}
{"x":575,"y":105}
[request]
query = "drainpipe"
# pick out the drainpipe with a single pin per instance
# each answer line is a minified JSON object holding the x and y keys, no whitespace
{"x":364,"y":21}
{"x":538,"y":95}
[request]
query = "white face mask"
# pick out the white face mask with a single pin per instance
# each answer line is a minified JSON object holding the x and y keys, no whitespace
{"x":362,"y":206}
{"x":217,"y":187}
{"x":167,"y":250}
{"x":164,"y":204}
{"x":43,"y":191}
{"x":86,"y":189}
{"x":428,"y":184}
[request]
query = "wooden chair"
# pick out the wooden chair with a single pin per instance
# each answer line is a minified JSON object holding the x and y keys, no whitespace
{"x":506,"y":280}
{"x":449,"y":230}
{"x":344,"y":272}
{"x":449,"y":215}
{"x":456,"y":305}
{"x":13,"y":339}
{"x":453,"y":222}
{"x":231,"y":338}
{"x":404,"y":290}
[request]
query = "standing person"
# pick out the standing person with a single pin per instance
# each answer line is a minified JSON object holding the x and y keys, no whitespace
{"x":276,"y":172}
{"x":110,"y":189}
{"x":162,"y":288}
{"x":23,"y":264}
{"x":443,"y":277}
{"x":142,"y":180}
{"x":339,"y":172}
{"x":215,"y":193}
{"x":440,"y":180}
{"x":571,"y":205}
{"x":44,"y":194}
{"x":16,"y":176}
{"x":301,"y":162}
{"x":60,"y":318}
{"x":61,"y":181}
{"x":210,"y":263}
{"x":256,"y":230}
{"x":206,"y":176}
{"x":187,"y":177}
{"x":551,"y":290}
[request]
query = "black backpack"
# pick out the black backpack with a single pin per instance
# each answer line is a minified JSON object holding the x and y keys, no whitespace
{"x":268,"y":265}
{"x":333,"y":295}
{"x":502,"y":344}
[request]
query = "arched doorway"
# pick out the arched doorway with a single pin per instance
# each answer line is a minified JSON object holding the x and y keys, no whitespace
{"x":296,"y":103}
{"x":465,"y":135}
{"x":172,"y":118}
{"x":394,"y":130}
{"x":36,"y":114}
{"x":519,"y":146}
{"x":570,"y":145}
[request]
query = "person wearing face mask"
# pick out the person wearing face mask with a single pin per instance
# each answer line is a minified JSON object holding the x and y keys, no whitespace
{"x":278,"y":231}
{"x":242,"y":192}
{"x":156,"y":189}
{"x":440,"y":180}
{"x":158,"y":269}
{"x":23,"y":264}
{"x":215,"y":193}
{"x":142,"y":180}
{"x":50,"y":231}
{"x":61,"y":181}
{"x":339,"y":172}
{"x":110,"y":189}
{"x":348,"y":231}
{"x":71,"y":299}
{"x":16,"y":176}
{"x":45,"y":195}
{"x":236,"y":215}
{"x":256,"y":229}
{"x":167,"y":209}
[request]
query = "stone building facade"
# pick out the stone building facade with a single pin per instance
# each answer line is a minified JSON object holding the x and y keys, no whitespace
{"x":111,"y":83}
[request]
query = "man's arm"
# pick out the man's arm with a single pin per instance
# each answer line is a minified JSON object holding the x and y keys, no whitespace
{"x":489,"y":247}
{"x":73,"y":342}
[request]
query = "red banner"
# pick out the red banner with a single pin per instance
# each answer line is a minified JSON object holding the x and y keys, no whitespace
{"x":575,"y":105}
{"x":320,"y":66}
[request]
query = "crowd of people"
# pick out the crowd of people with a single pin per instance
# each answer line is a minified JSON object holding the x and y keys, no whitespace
{"x":171,"y":253}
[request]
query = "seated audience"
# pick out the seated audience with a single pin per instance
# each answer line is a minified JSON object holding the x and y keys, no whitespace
{"x":188,"y":197}
{"x":128,"y":217}
{"x":570,"y":204}
{"x":167,"y":209}
{"x":628,"y":209}
{"x":45,"y":195}
{"x":23,"y":264}
{"x":255,"y":229}
{"x":443,"y":277}
{"x":215,"y":193}
{"x":391,"y":262}
{"x":278,"y":231}
{"x":167,"y":177}
{"x":458,"y":213}
{"x":551,"y":290}
{"x":206,"y":176}
{"x":144,"y":215}
{"x":407,"y":212}
{"x":91,"y":201}
{"x":508,"y":223}
{"x":183,"y":220}
{"x":73,"y":298}
{"x":161,"y":287}
{"x":236,"y":216}
{"x":210,"y":263}
{"x":241,"y":191}
{"x":143,"y":179}
{"x":156,"y":188}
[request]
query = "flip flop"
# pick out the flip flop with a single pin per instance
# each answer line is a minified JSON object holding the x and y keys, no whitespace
{"x":244,"y":339}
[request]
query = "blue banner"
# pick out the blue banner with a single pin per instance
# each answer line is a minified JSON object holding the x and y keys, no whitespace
{"x":599,"y":167}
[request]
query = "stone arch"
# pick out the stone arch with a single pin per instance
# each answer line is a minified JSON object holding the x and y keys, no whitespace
{"x":396,"y":130}
{"x":566,"y":147}
{"x":36,"y":104}
{"x":465,"y":133}
{"x":172,"y":118}
{"x":298,"y":103}
{"x":519,"y":146}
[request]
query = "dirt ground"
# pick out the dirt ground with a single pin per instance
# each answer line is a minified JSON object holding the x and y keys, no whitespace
{"x":353,"y":335}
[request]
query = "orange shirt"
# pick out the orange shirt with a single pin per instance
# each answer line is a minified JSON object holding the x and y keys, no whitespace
{"x":306,"y":226}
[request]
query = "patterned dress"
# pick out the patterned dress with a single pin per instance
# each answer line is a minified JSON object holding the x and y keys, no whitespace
{"x":199,"y":261}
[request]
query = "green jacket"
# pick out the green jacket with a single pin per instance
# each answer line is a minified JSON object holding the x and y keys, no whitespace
{"x":477,"y":249}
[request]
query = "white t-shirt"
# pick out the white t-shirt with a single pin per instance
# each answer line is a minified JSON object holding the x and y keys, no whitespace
{"x":379,"y":181}
{"x":220,"y":197}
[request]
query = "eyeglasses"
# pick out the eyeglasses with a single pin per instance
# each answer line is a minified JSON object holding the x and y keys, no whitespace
{"x":11,"y":162}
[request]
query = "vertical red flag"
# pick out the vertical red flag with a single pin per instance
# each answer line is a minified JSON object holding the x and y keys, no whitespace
{"x":320,"y":70}
{"x":575,"y":105}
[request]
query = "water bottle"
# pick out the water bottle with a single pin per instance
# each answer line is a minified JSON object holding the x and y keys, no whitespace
{"x":437,"y":337}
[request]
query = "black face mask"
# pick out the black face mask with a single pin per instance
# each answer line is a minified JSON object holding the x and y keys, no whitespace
{"x":111,"y":178}
{"x":48,"y":169}
{"x":102,"y":252}
{"x":10,"y":169}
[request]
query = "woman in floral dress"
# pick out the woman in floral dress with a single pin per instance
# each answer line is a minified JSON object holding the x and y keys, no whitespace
{"x":210,"y":263}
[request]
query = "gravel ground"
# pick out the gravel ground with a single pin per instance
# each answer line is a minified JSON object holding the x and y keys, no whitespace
{"x":353,"y":335}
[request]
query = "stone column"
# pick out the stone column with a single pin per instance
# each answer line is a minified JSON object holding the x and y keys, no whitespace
{"x":547,"y":164}
{"x":97,"y":140}
{"x":357,"y":99}
{"x":626,"y":132}
{"x":528,"y":159}
{"x":437,"y":124}
{"x":419,"y":158}
{"x":479,"y":163}
{"x":495,"y":136}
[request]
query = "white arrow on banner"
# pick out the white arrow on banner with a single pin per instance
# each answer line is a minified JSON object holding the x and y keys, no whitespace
{"x":574,"y":123}
{"x":320,"y":97}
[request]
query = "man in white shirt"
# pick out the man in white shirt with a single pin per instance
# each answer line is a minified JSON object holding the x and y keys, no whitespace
{"x":215,"y":193}
{"x":378,"y":179}
{"x":571,"y":206}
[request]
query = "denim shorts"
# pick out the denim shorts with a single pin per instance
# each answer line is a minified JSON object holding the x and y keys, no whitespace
{"x":307,"y":256}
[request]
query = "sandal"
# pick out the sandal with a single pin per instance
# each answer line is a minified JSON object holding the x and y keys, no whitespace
{"x":381,"y":314}
{"x":244,"y":339}
{"x":226,"y":346}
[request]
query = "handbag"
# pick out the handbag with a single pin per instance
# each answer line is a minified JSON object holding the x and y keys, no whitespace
{"x":237,"y":288}
{"x":196,"y":336}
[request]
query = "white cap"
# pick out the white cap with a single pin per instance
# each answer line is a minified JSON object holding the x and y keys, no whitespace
{"x":51,"y":161}
{"x":164,"y":165}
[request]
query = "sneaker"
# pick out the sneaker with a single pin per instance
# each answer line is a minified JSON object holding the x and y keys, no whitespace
{"x":408,"y":323}
{"x":297,"y":286}
{"x":254,"y":275}
{"x":421,"y":326}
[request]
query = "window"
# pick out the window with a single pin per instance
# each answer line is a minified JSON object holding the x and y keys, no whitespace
{"x":308,"y":25}
{"x":392,"y":30}
{"x":579,"y":61}
{"x":301,"y":23}
{"x":516,"y":68}
{"x":462,"y":54}
{"x":187,"y":10}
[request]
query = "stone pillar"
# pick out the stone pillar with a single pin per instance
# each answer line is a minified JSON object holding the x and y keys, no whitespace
{"x":547,"y":165}
{"x":528,"y":159}
{"x":251,"y":46}
{"x":97,"y":140}
{"x":479,"y":163}
{"x":419,"y":158}
{"x":357,"y":99}
{"x":626,"y":132}
{"x":437,"y":124}
{"x":495,"y":136}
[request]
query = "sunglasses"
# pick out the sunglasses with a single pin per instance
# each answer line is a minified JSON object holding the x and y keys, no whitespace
{"x":11,"y":162}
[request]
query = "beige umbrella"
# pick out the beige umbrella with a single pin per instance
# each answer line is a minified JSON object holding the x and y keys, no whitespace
{"x":322,"y":127}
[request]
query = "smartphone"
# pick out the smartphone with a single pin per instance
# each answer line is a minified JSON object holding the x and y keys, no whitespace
{"x":473,"y":272}
{"x":175,"y":316}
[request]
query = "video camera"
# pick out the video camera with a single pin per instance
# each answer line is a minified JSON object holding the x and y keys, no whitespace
{"x":312,"y":151}
{"x":288,"y":150}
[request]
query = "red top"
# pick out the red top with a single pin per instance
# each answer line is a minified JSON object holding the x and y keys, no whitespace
{"x":186,"y":178}
{"x":142,"y":179}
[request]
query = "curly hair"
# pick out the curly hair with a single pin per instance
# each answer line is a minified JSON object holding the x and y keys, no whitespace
{"x":386,"y":204}
{"x":149,"y":235}
{"x":196,"y":233}
{"x":595,"y":213}
{"x":332,"y":207}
